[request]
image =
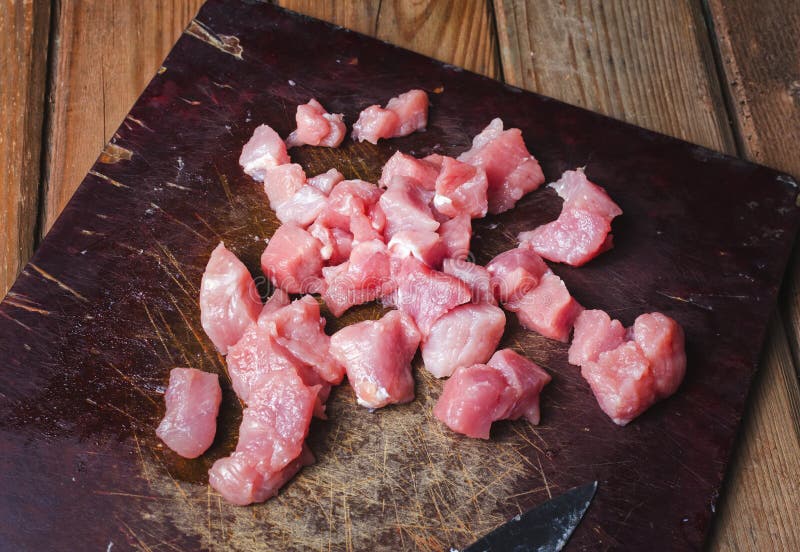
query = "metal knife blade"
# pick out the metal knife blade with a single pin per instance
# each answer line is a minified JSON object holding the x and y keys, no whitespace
{"x":545,"y":528}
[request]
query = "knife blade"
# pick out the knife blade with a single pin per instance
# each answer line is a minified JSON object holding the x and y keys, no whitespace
{"x":545,"y":528}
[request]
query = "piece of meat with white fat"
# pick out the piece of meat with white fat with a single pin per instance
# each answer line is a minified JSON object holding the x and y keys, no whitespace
{"x":425,"y":245}
{"x":515,"y":272}
{"x":629,"y":371}
{"x":402,"y":115}
{"x":525,"y":383}
{"x":366,"y":276}
{"x":303,"y":207}
{"x":229,"y":300}
{"x":548,"y":308}
{"x":190,"y":422}
{"x":475,"y":276}
{"x":377,"y":355}
{"x":461,"y":188}
{"x":350,"y":200}
{"x":238,"y":479}
{"x":510,"y":168}
{"x":579,"y":193}
{"x":466,"y":335}
{"x":405,"y":207}
{"x":265,"y":150}
{"x":292,"y":260}
{"x":281,"y":183}
{"x":425,"y":294}
{"x":336,"y":243}
{"x":456,"y":234}
{"x":422,"y":170}
{"x":325,"y":182}
{"x":316,"y":127}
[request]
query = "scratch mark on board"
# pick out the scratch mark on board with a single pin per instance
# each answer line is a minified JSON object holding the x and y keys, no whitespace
{"x":108,"y":179}
{"x":224,"y":43}
{"x":47,"y":276}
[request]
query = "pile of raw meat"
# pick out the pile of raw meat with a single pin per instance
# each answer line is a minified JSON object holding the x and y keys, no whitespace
{"x":404,"y":241}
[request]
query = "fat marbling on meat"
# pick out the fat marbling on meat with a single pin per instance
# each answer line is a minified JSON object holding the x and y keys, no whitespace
{"x":265,"y":150}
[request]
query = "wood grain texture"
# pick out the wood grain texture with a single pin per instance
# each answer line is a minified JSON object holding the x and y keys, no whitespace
{"x":650,"y":63}
{"x":647,"y":62}
{"x":105,"y":53}
{"x":24,"y":35}
{"x":358,"y":15}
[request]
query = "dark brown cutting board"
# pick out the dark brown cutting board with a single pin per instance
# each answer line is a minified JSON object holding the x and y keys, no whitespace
{"x":108,"y":305}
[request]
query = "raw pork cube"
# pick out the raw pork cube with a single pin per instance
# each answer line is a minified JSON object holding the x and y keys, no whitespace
{"x":292,"y":260}
{"x":282,"y":182}
{"x":456,"y":234}
{"x":575,"y":237}
{"x":595,"y":333}
{"x":548,"y":308}
{"x":403,"y":115}
{"x":347,"y":200}
{"x":578,"y":193}
{"x":316,"y":127}
{"x":475,"y":276}
{"x":426,"y":294}
{"x":336,"y":243}
{"x":326,"y":181}
{"x":510,"y":168}
{"x":515,"y":272}
{"x":303,"y":207}
{"x":405,"y":207}
{"x":525,"y":382}
{"x":473,"y":398}
{"x":421,"y":170}
{"x":466,"y":335}
{"x":365,"y":277}
{"x":425,"y":245}
{"x":300,"y":329}
{"x":190,"y":422}
{"x":263,"y":151}
{"x":229,"y":300}
{"x":240,"y":481}
{"x":661,"y":340}
{"x":461,"y":189}
{"x":377,"y":356}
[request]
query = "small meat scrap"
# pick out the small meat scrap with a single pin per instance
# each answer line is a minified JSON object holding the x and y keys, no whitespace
{"x":511,"y":170}
{"x":583,"y":229}
{"x":292,"y":260}
{"x":192,"y":399}
{"x":377,"y":356}
{"x":281,"y":183}
{"x":464,"y":336}
{"x":316,"y":127}
{"x":366,"y":276}
{"x":507,"y":388}
{"x":229,"y":300}
{"x":461,"y":188}
{"x":515,"y":272}
{"x":548,"y":308}
{"x":629,"y":371}
{"x":403,"y":115}
{"x":265,"y":150}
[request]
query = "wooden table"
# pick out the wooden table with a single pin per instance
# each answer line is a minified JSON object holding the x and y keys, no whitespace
{"x":724,"y":74}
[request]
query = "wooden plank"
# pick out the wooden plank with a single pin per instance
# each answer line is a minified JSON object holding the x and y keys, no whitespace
{"x":460,"y":32}
{"x":24,"y":37}
{"x":105,"y":53}
{"x":645,"y":62}
{"x":651,"y":63}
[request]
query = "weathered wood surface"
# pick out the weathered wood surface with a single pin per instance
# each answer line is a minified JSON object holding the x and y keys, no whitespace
{"x":640,"y":61}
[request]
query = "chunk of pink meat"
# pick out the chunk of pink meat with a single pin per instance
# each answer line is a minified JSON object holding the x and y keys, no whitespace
{"x":405,"y":207}
{"x":525,"y":383}
{"x":301,"y":330}
{"x":377,"y":356}
{"x":336,"y":243}
{"x":326,"y":181}
{"x":426,"y":294}
{"x":425,"y":245}
{"x":240,"y":481}
{"x":348,"y":200}
{"x":292,"y":260}
{"x":366,"y":276}
{"x":461,"y":189}
{"x":316,"y":127}
{"x":464,"y":336}
{"x":276,"y":301}
{"x":229,"y":300}
{"x":510,"y":168}
{"x":473,"y":398}
{"x":579,"y":193}
{"x":401,"y":164}
{"x":303,"y":207}
{"x":595,"y":333}
{"x":475,"y":276}
{"x":515,"y":272}
{"x":403,"y":115}
{"x":575,"y":237}
{"x":263,"y":151}
{"x":548,"y":308}
{"x":192,"y":400}
{"x":456,"y":234}
{"x":661,"y":340}
{"x":283,"y":182}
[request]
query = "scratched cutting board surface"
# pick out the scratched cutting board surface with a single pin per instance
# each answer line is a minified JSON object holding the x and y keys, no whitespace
{"x":108,"y":306}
